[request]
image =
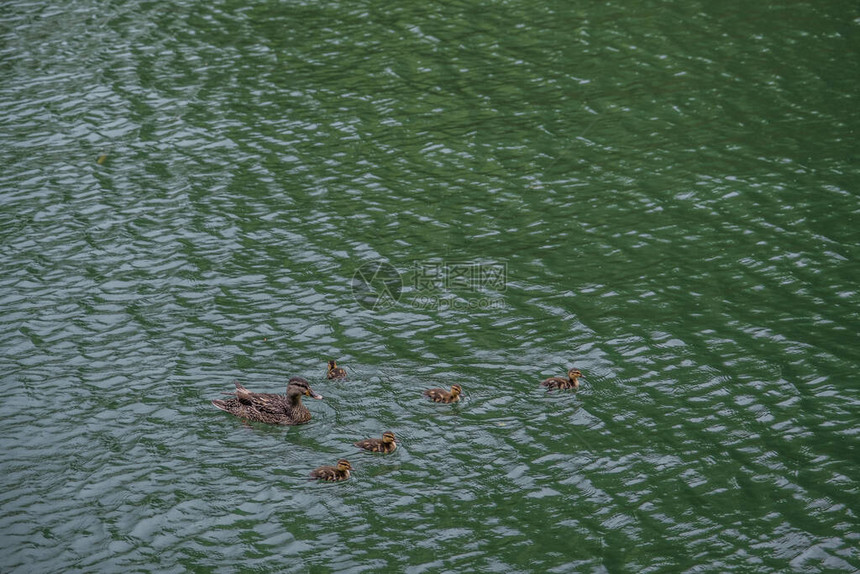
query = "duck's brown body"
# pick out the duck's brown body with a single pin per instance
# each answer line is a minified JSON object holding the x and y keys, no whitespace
{"x":385,"y":444}
{"x":333,"y":473}
{"x":335,"y":372}
{"x":443,"y":396}
{"x":571,"y":382}
{"x":268,"y":407}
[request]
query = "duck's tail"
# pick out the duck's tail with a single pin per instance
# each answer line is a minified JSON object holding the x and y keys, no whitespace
{"x":238,"y":393}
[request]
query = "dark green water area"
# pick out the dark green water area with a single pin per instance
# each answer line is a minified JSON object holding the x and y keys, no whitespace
{"x":664,"y":195}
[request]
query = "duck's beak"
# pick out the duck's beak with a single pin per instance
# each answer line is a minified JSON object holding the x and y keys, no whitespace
{"x":314,"y":395}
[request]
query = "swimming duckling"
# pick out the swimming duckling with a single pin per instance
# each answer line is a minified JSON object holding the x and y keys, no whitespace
{"x":270,"y":408}
{"x":333,"y":473}
{"x":335,"y":372}
{"x":385,"y":444}
{"x":443,"y":396}
{"x":571,"y":382}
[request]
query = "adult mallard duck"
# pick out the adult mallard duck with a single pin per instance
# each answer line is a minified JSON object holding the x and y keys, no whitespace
{"x":335,"y":372}
{"x":571,"y":382}
{"x":385,"y":444}
{"x":443,"y":396}
{"x":270,"y":408}
{"x":333,"y":473}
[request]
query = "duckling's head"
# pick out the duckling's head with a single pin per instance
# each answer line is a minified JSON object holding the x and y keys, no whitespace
{"x":302,"y":386}
{"x":343,"y":465}
{"x":332,"y":365}
{"x":456,"y":390}
{"x":388,"y":437}
{"x":574,"y":375}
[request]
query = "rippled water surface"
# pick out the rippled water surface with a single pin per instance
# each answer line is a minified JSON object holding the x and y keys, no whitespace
{"x":664,"y":196}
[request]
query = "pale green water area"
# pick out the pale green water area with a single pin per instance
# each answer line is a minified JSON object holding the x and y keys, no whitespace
{"x":665,"y":195}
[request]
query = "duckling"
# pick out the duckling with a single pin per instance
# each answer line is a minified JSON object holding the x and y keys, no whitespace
{"x":571,"y":382}
{"x":333,"y":473}
{"x":385,"y":444}
{"x":443,"y":396}
{"x":270,"y":408}
{"x":335,"y":372}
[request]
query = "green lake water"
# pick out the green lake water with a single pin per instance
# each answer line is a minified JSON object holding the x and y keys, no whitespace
{"x":665,"y":195}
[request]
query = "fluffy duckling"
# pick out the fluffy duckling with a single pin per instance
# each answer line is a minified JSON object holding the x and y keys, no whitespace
{"x":333,"y":473}
{"x":571,"y":382}
{"x":335,"y":372}
{"x":443,"y":396}
{"x":385,"y":444}
{"x":270,"y":408}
